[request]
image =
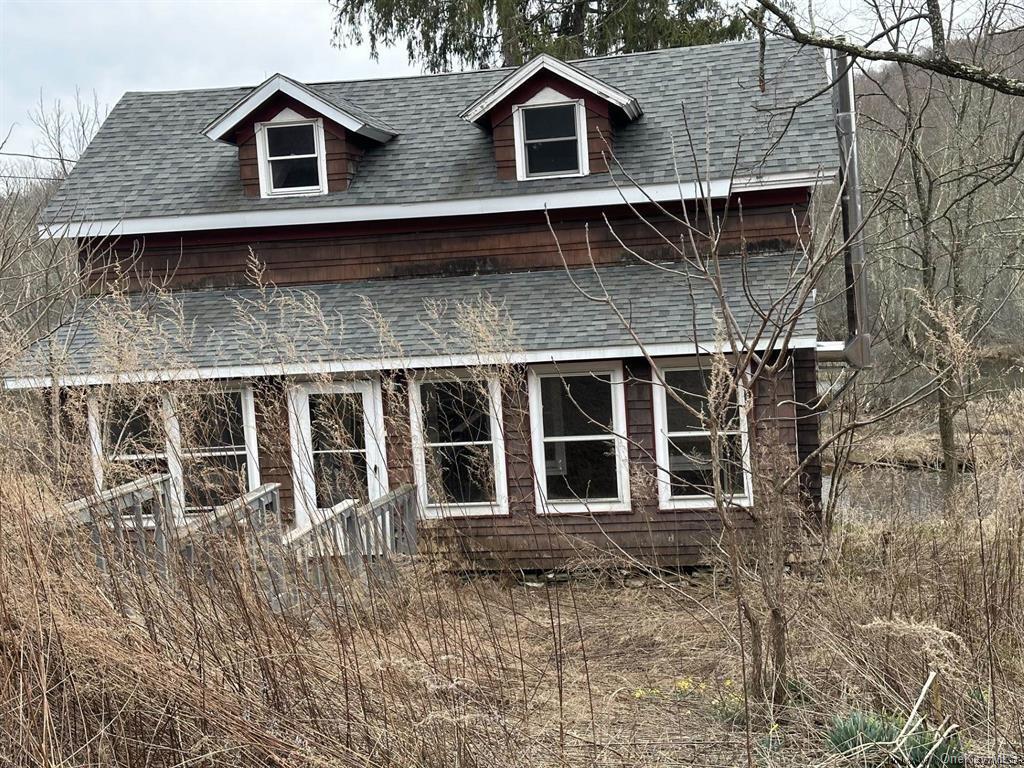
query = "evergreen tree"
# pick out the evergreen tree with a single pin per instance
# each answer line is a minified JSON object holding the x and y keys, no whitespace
{"x":444,"y":34}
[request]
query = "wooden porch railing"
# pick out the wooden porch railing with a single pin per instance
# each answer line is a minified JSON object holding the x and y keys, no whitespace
{"x":359,"y":535}
{"x":255,"y":518}
{"x":127,"y":512}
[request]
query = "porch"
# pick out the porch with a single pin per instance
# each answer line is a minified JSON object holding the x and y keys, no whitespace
{"x":534,"y":427}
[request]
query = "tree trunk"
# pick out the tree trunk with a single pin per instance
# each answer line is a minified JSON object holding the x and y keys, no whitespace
{"x":756,"y":653}
{"x":572,"y":28}
{"x":947,"y":439}
{"x":780,"y":671}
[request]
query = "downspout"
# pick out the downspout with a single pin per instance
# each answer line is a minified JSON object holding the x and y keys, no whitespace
{"x":857,"y":349}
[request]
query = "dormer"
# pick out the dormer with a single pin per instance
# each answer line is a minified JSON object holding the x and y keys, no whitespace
{"x":550,"y":119}
{"x":294,"y":141}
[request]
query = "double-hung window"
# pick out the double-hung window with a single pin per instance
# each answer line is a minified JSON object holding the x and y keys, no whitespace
{"x":578,"y":419}
{"x":551,"y":140}
{"x":685,"y":450}
{"x":133,"y":438}
{"x":206,"y":443}
{"x":458,"y":445}
{"x":292,"y":158}
{"x":217,"y":449}
{"x":337,"y":445}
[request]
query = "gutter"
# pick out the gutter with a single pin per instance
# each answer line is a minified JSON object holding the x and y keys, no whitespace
{"x":529,"y":201}
{"x":857,"y":348}
{"x":831,"y":351}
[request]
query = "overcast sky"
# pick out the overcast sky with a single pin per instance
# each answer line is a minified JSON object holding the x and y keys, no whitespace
{"x":52,"y":47}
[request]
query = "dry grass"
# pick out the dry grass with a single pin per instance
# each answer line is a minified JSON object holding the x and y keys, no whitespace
{"x":610,"y":667}
{"x":430,"y":669}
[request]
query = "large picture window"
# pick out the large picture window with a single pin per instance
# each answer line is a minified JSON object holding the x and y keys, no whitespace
{"x":458,"y":447}
{"x":337,"y":445}
{"x":580,"y":454}
{"x":686,"y":468}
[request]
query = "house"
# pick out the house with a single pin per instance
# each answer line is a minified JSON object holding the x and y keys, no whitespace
{"x":473,"y":282}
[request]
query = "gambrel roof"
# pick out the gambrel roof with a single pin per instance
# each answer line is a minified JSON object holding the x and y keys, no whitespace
{"x":704,"y":117}
{"x":422,"y":322}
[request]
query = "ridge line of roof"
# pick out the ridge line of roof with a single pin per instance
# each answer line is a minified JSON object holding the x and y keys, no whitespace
{"x":425,"y":75}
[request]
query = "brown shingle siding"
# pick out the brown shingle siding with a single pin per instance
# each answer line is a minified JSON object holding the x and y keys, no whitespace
{"x":805,"y":376}
{"x":467,"y":245}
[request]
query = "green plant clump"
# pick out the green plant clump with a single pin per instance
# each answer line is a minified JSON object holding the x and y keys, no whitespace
{"x":875,"y":740}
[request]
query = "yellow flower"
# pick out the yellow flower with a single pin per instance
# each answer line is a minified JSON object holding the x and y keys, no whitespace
{"x":728,"y":683}
{"x":685,"y":685}
{"x":643,"y":693}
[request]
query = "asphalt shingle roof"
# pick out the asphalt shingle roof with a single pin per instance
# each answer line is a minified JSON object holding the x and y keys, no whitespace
{"x":374,"y":322}
{"x":151,"y":159}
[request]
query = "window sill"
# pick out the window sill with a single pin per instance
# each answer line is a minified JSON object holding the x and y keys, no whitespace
{"x":296,"y":193}
{"x":583,"y":508}
{"x":575,"y":175}
{"x":448,"y":511}
{"x":675,"y":504}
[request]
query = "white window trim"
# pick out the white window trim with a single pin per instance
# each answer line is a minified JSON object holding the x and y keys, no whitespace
{"x":419,"y":454}
{"x":301,"y":438}
{"x":614,"y":371}
{"x":263,"y":159}
{"x":582,"y":145}
{"x":666,"y":501}
{"x":173,"y":454}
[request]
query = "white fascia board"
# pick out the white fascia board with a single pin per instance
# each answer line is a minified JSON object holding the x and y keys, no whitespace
{"x":221,"y":127}
{"x":469,"y":360}
{"x":342,"y":214}
{"x":501,"y":91}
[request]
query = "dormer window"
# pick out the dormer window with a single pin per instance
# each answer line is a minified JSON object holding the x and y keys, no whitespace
{"x":551,"y":140}
{"x":292,"y":160}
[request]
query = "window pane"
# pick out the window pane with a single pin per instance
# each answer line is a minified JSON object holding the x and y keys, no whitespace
{"x":290,"y":140}
{"x":290,"y":174}
{"x":550,"y":122}
{"x":218,"y":421}
{"x":583,"y":469}
{"x":576,"y":405}
{"x":692,"y":387}
{"x":689,"y":464}
{"x":339,"y":476}
{"x":337,"y":422}
{"x":214,"y":480}
{"x":120,"y":472}
{"x":456,"y":411}
{"x":133,"y":427}
{"x":460,"y":474}
{"x":552,"y":157}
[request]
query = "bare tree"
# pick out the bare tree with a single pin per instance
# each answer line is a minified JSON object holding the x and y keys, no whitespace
{"x":926,"y":34}
{"x":948,"y":224}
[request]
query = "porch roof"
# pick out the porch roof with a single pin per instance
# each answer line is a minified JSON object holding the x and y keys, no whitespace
{"x":524,"y":317}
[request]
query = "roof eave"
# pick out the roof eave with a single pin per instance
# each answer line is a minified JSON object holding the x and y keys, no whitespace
{"x":482,"y":106}
{"x":399,"y":362}
{"x":597,"y":196}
